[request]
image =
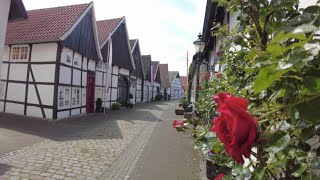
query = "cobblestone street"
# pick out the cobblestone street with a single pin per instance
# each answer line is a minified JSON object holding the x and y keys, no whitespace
{"x":89,"y":147}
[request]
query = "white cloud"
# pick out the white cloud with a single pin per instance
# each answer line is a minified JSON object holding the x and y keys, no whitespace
{"x":164,"y":28}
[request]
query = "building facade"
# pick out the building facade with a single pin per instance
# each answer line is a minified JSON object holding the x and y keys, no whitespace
{"x":48,"y":66}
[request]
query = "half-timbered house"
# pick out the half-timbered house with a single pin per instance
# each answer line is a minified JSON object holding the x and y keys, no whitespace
{"x":176,"y":90}
{"x":118,"y":61}
{"x":137,"y":76}
{"x":147,"y":85}
{"x":49,"y":63}
{"x":156,"y":80}
{"x":164,"y":76}
{"x":10,"y":10}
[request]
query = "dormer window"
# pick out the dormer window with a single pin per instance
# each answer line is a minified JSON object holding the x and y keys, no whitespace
{"x":20,"y":52}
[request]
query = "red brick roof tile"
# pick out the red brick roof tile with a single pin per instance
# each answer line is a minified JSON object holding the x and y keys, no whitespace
{"x":105,"y":27}
{"x":164,"y":74}
{"x":44,"y":24}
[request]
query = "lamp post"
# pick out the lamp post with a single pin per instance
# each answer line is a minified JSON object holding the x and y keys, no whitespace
{"x":199,"y":45}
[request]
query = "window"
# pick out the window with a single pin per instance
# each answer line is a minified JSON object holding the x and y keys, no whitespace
{"x":76,"y":60}
{"x":20,"y":53}
{"x":75,"y":96}
{"x":61,"y":98}
{"x":78,"y":96}
{"x":67,"y":96}
{"x":69,"y":57}
{"x":99,"y":65}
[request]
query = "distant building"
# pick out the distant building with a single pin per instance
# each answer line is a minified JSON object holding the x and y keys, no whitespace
{"x":184,"y":82}
{"x":176,"y":90}
{"x":147,"y":85}
{"x":156,"y":80}
{"x":137,"y":76}
{"x":164,"y":75}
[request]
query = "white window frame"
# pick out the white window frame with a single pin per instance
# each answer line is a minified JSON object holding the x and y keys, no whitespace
{"x":19,"y":54}
{"x":64,"y":100}
{"x":76,"y":97}
{"x":76,"y":60}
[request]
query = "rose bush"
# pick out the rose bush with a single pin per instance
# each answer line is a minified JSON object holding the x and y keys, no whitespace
{"x":271,"y":71}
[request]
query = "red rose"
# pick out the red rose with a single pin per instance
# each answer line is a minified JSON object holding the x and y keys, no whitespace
{"x":177,"y":123}
{"x":235,"y":127}
{"x":219,"y":177}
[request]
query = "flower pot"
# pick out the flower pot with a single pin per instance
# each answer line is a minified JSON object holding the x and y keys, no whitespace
{"x":179,"y":111}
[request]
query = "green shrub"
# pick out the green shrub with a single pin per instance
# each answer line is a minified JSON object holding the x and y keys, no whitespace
{"x":115,"y":106}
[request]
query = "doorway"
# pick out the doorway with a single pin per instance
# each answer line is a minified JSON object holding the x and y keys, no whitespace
{"x":123,"y":90}
{"x":90,"y":93}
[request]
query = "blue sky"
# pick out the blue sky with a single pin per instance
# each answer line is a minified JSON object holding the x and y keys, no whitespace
{"x":166,"y":29}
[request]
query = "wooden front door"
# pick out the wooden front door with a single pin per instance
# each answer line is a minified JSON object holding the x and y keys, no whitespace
{"x":90,"y":93}
{"x":123,"y":90}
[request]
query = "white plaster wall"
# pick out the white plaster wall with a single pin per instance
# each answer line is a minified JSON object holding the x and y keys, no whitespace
{"x":49,"y":113}
{"x":83,"y":110}
{"x":65,"y":75}
{"x":115,"y":69}
{"x":18,"y":72}
{"x":114,"y":95}
{"x":34,"y":112}
{"x":43,"y":73}
{"x":16,"y":92}
{"x":46,"y":94}
{"x":92,"y":65}
{"x":62,"y":114}
{"x":76,"y":77}
{"x":15,"y":108}
{"x":84,"y":96}
{"x":124,"y":71}
{"x":99,"y":78}
{"x":44,"y":52}
{"x":114,"y":81}
{"x":84,"y":78}
{"x":4,"y":12}
{"x":3,"y":71}
{"x":6,"y":53}
{"x":1,"y":106}
{"x":84,"y":63}
{"x":75,"y":112}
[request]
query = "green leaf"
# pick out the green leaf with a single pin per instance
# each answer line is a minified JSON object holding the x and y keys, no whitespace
{"x":266,"y":77}
{"x":307,"y":133}
{"x":303,"y":167}
{"x":277,"y":141}
{"x":300,"y":19}
{"x":305,"y":28}
{"x":260,"y":173}
{"x":309,"y":111}
{"x":312,"y":84}
{"x":312,"y":9}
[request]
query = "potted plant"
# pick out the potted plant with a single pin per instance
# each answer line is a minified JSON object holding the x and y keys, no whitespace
{"x":179,"y":111}
{"x":115,"y":106}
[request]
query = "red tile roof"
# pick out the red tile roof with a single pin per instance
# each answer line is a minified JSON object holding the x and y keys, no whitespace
{"x":105,"y":27}
{"x":44,"y":24}
{"x":164,"y":75}
{"x":184,"y":80}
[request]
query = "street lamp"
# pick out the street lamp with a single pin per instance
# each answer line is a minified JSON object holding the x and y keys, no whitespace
{"x":199,"y":45}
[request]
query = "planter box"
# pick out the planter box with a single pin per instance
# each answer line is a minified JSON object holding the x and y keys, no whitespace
{"x":179,"y":112}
